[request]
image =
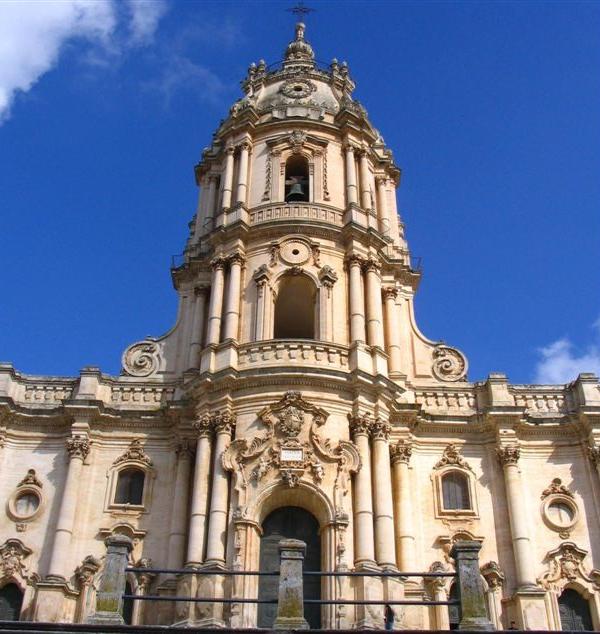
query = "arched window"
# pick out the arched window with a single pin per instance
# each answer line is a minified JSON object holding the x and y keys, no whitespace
{"x":128,"y":605}
{"x":296,"y":179}
{"x":295,"y":308}
{"x":574,"y":612}
{"x":11,"y":600}
{"x":130,"y":487}
{"x":455,"y":491}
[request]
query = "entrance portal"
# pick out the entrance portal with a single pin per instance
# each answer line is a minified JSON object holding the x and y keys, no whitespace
{"x":574,"y":612}
{"x":289,"y":522}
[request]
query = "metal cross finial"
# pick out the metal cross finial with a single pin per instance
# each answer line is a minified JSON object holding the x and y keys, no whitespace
{"x":300,"y":10}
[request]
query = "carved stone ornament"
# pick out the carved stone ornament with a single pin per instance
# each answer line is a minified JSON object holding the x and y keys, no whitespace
{"x":294,"y":252}
{"x":141,"y":359}
{"x":493,"y":574}
{"x":268,"y":178}
{"x":134,"y":453}
{"x":449,"y":364}
{"x":452,"y":457}
{"x":291,"y":449}
{"x":262,"y":275}
{"x":360,"y":425}
{"x":86,"y":571}
{"x":437,"y":583}
{"x":297,"y":89}
{"x":31,"y":479}
{"x":327,"y":276}
{"x":78,"y":447}
{"x":594,"y":454}
{"x":380,"y":430}
{"x":203,"y":426}
{"x":565,"y":565}
{"x":401,"y":451}
{"x":144,"y":578}
{"x":12,"y":554}
{"x":556,"y":487}
{"x":508,"y":455}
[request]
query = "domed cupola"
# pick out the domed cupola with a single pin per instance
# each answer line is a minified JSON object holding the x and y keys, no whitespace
{"x":299,"y":53}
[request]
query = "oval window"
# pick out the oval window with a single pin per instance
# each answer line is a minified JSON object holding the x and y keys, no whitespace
{"x":27,"y":504}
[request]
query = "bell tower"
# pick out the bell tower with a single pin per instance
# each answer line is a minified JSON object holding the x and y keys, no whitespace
{"x":297,"y":252}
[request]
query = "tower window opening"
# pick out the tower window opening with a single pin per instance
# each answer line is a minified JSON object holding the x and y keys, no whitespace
{"x":296,"y":179}
{"x":295,"y":308}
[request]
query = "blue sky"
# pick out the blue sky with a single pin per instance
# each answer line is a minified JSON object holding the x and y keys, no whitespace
{"x":492,"y":110}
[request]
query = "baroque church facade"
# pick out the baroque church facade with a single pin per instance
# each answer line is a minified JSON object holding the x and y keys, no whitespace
{"x":295,"y":396}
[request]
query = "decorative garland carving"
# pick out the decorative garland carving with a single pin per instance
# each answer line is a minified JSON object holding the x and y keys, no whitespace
{"x":12,"y":554}
{"x":565,"y":564}
{"x":141,"y":359}
{"x":134,"y":453}
{"x":78,"y":447}
{"x":556,"y":487}
{"x":452,"y":457}
{"x":326,"y":194}
{"x":449,"y":364}
{"x":268,"y":178}
{"x":292,"y":447}
{"x":508,"y":455}
{"x":31,"y":479}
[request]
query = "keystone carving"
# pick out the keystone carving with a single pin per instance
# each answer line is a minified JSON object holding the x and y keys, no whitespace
{"x":31,"y":479}
{"x":449,"y":364}
{"x":556,"y":487}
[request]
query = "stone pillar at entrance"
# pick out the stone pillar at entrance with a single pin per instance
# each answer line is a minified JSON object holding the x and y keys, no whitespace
{"x":290,"y":600}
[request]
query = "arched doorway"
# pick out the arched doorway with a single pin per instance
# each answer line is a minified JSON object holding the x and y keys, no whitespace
{"x":11,"y":600}
{"x":574,"y":612}
{"x":289,"y":522}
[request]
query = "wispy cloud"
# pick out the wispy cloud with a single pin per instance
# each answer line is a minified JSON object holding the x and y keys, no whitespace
{"x":561,"y":362}
{"x":33,"y":34}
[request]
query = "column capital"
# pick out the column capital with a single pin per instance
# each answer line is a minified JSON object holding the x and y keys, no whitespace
{"x":218,"y":262}
{"x":203,"y":427}
{"x":237,"y":257}
{"x":184,"y":450}
{"x":200,"y":289}
{"x":360,"y":425}
{"x":594,"y":454}
{"x":380,"y":430}
{"x":353,"y":259}
{"x":230,"y":149}
{"x":78,"y":447}
{"x":508,"y":455}
{"x":223,"y":422}
{"x":349,"y":148}
{"x":381,"y":179}
{"x":401,"y":451}
{"x":327,"y":276}
{"x":245,"y":145}
{"x":389,"y":292}
{"x":372,"y":264}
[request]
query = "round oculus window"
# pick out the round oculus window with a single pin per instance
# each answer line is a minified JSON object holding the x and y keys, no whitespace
{"x":26,"y":504}
{"x":297,"y":88}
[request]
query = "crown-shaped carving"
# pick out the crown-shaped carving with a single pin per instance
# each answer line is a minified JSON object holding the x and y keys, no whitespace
{"x":452,"y":457}
{"x":135,"y":453}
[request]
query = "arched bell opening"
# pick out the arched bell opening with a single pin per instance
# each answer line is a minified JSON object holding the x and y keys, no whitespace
{"x":11,"y":601}
{"x":297,"y":185}
{"x":574,"y":611}
{"x":289,"y":522}
{"x":295,"y":308}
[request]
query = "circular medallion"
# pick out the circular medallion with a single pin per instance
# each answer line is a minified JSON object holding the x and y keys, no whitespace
{"x":297,"y":88}
{"x":294,"y":252}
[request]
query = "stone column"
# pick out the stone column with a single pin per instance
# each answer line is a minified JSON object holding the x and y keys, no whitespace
{"x":215,"y":306}
{"x":228,"y":178}
{"x":384,"y":217}
{"x":594,"y":454}
{"x":232,"y":310}
{"x":357,"y":301}
{"x":385,"y":551}
{"x":199,"y":503}
{"x":290,"y":600}
{"x":392,"y":322}
{"x":363,"y":501}
{"x":211,"y":203}
{"x":261,"y":277}
{"x":109,"y":598}
{"x":374,"y":304}
{"x":351,"y":193}
{"x":180,"y":506}
{"x":327,"y":277}
{"x":403,"y":509}
{"x":242,"y":181}
{"x":197,"y":326}
{"x":78,"y":448}
{"x":365,"y":191}
{"x":473,"y":615}
{"x":517,"y":513}
{"x":224,"y":425}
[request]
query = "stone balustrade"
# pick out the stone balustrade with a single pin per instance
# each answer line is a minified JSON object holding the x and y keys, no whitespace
{"x":296,"y":211}
{"x":543,"y":400}
{"x":437,"y":400}
{"x":282,"y":352}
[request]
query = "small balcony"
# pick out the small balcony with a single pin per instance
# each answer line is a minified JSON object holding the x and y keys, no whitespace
{"x":301,"y":352}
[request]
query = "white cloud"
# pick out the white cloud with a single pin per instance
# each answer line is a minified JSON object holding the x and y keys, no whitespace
{"x":561,"y":363}
{"x":32,"y":35}
{"x":145,"y":16}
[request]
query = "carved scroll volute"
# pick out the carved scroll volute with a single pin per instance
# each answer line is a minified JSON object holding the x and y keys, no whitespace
{"x":449,"y":364}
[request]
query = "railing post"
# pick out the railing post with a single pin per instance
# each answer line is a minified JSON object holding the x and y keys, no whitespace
{"x":470,"y":589}
{"x":290,"y":600}
{"x":109,"y":598}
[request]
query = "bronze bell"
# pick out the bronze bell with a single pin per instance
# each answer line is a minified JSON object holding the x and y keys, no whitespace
{"x":296,"y":193}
